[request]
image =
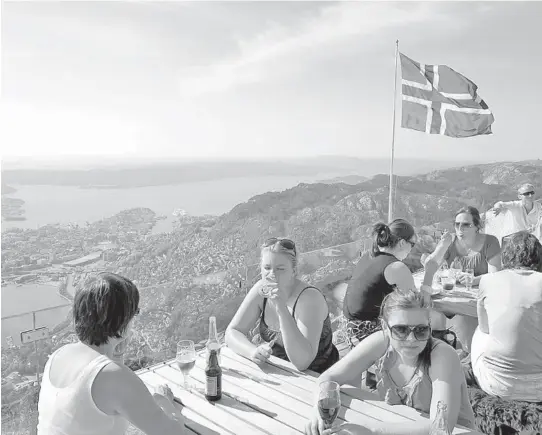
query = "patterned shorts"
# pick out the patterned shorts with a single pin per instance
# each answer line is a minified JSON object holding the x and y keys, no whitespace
{"x":357,"y":330}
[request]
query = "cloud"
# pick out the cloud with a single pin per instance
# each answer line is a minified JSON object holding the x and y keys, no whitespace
{"x":339,"y":23}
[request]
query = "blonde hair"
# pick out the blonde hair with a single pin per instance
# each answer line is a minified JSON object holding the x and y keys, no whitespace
{"x":277,"y":247}
{"x":409,"y":300}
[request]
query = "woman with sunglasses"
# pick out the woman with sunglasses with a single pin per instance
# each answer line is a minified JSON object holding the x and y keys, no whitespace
{"x":413,"y":369}
{"x":471,"y":249}
{"x":85,"y":388}
{"x":377,"y":277}
{"x":293,"y":316}
{"x":468,"y":247}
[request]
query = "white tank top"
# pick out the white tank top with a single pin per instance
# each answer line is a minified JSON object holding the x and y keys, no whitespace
{"x":71,"y":410}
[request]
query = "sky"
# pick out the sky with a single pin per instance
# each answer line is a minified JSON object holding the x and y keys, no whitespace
{"x":243,"y":80}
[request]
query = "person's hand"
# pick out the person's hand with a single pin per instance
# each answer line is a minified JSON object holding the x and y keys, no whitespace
{"x":262,"y":353}
{"x":498,"y":209}
{"x":349,"y":428}
{"x":266,"y":286}
{"x":277,"y":301}
{"x":315,"y":425}
{"x":446,"y":239}
{"x":163,"y":390}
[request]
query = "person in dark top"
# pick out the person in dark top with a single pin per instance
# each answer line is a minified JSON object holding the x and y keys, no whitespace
{"x":293,"y":317}
{"x":374,"y":279}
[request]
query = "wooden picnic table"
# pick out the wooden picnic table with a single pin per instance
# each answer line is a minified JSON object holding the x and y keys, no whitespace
{"x":272,"y":398}
{"x":457,"y":301}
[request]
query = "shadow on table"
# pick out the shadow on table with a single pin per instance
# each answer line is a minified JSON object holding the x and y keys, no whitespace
{"x":239,"y":374}
{"x":231,"y":400}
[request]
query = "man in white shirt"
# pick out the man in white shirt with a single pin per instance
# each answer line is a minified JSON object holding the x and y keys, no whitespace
{"x":526,"y":213}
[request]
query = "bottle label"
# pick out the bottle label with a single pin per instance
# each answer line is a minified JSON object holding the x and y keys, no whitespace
{"x":211,"y":385}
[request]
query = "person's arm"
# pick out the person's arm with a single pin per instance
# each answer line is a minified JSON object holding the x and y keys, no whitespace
{"x":245,"y":318}
{"x":118,"y":389}
{"x":349,"y":367}
{"x":505,"y":205}
{"x":483,"y":323}
{"x":358,"y":360}
{"x":446,"y":375}
{"x":301,"y":336}
{"x":440,"y":251}
{"x":493,"y":254}
{"x":399,"y":274}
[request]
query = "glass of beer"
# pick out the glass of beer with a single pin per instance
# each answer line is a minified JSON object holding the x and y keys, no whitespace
{"x":329,"y":402}
{"x":186,"y":359}
{"x":448,"y":283}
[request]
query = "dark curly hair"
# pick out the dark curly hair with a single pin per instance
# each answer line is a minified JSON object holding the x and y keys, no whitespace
{"x":522,"y":251}
{"x":103,"y":308}
{"x":387,"y":236}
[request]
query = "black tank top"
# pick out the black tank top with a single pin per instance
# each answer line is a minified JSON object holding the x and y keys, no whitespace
{"x":367,"y":288}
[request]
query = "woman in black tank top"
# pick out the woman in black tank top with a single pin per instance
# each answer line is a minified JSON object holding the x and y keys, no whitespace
{"x":293,"y":317}
{"x":377,"y":277}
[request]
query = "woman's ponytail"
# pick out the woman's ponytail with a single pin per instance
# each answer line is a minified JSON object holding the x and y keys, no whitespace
{"x":382,"y":237}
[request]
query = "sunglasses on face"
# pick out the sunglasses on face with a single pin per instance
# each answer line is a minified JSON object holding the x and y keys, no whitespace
{"x":412,"y":244}
{"x":285,"y":243}
{"x":402,"y":332}
{"x":462,"y":225}
{"x":527,"y":193}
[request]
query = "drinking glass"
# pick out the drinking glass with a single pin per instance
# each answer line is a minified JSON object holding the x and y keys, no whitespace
{"x":448,"y":283}
{"x":267,"y":286}
{"x":455,"y":270}
{"x":469,"y":278}
{"x":329,"y":402}
{"x":186,"y":359}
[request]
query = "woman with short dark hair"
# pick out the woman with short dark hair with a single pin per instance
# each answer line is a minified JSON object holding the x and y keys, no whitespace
{"x":507,"y":346}
{"x":84,"y":390}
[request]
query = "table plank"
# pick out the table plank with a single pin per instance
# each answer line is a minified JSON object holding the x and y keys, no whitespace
{"x":254,"y":419}
{"x":368,"y":405}
{"x":265,"y":400}
{"x":195,"y":421}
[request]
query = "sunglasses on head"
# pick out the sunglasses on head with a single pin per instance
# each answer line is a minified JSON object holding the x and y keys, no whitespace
{"x":402,"y":332}
{"x":463,"y":225}
{"x":285,"y":243}
{"x":531,"y":193}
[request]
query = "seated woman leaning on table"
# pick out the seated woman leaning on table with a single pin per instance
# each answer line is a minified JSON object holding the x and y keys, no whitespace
{"x":413,"y":369}
{"x":472,"y":250}
{"x":507,"y":346}
{"x":84,"y":391}
{"x":293,"y":317}
{"x":469,"y":247}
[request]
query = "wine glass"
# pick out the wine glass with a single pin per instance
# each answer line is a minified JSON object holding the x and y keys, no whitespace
{"x":456,"y":269}
{"x":469,"y":278}
{"x":186,"y":359}
{"x":329,"y":402}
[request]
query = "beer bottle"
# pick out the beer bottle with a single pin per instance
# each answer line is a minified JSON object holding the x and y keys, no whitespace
{"x":212,"y":341}
{"x":213,"y":377}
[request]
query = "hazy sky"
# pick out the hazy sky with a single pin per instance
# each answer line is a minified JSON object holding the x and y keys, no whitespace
{"x":258,"y":79}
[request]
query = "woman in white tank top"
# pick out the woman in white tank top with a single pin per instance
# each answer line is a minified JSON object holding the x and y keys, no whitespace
{"x":84,"y":392}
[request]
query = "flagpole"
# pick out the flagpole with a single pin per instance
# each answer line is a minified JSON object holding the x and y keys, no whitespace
{"x":390,"y":201}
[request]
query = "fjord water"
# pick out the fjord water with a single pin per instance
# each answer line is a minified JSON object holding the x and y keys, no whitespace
{"x":63,"y":204}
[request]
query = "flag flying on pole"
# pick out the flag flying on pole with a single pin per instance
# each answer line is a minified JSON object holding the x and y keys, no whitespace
{"x":439,"y":100}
